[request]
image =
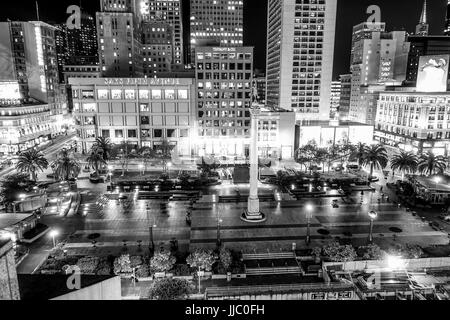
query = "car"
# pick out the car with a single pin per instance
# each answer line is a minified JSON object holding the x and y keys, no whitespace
{"x":374,"y":179}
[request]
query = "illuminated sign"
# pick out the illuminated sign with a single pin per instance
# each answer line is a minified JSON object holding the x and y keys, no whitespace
{"x":142,"y":81}
{"x":9,"y":90}
{"x":433,"y":73}
{"x":217,"y":49}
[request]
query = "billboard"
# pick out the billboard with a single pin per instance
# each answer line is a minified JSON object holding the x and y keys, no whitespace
{"x":9,"y":90}
{"x":433,"y":73}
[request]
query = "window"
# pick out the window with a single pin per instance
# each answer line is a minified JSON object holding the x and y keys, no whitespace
{"x":143,"y":94}
{"x":169,"y":94}
{"x":119,"y":134}
{"x":132,"y":133}
{"x":156,"y":94}
{"x":171,"y":133}
{"x":144,"y":107}
{"x":145,"y":120}
{"x":184,"y":133}
{"x":157,"y":133}
{"x":145,"y":133}
{"x":130,"y":94}
{"x":102,"y":94}
{"x":88,"y":94}
{"x":116,"y":94}
{"x":89,"y":107}
{"x":106,"y":133}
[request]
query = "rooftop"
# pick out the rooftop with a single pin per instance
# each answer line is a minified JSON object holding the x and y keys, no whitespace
{"x":323,"y":123}
{"x":437,"y":182}
{"x":11,"y":219}
{"x":45,"y":287}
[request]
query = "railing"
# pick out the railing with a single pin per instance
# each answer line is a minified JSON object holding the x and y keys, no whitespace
{"x":268,"y":256}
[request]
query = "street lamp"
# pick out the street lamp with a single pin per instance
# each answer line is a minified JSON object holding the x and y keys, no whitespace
{"x":372,"y":215}
{"x":200,"y":274}
{"x":437,"y":180}
{"x":54,"y":234}
{"x":309,"y":208}
{"x":219,"y":221}
{"x":150,"y":230}
{"x":141,"y":166}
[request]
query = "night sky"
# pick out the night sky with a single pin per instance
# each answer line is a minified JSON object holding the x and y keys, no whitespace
{"x":398,"y":14}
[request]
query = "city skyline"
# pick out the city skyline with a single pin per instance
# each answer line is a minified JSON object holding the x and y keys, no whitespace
{"x":349,"y":14}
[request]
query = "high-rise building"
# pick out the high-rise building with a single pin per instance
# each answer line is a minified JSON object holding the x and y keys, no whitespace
{"x":29,"y":57}
{"x":447,"y":20}
{"x":77,"y":46}
{"x":157,"y":48}
{"x":119,"y":38}
{"x":300,"y":52}
{"x":168,"y":12}
{"x":218,"y":23}
{"x":423,"y":27}
{"x":224,"y":96}
{"x":335,"y":98}
{"x":424,"y":46}
{"x":344,"y":97}
{"x":377,"y":58}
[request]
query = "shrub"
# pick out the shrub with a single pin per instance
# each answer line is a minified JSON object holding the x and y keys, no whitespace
{"x":201,"y":260}
{"x":143,"y":271}
{"x":88,"y":265}
{"x":225,"y":259}
{"x":335,"y":252}
{"x":162,"y":262}
{"x":170,"y":289}
{"x":104,"y":267}
{"x":181,"y":270}
{"x":136,"y":261}
{"x":122,"y":264}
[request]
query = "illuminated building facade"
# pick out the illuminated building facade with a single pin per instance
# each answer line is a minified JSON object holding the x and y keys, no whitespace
{"x":335,"y":98}
{"x":300,"y":53}
{"x":218,"y":23}
{"x":344,"y":97}
{"x":414,"y":121}
{"x":224,"y":88}
{"x":119,"y":38}
{"x":157,"y":48}
{"x":139,"y":111}
{"x":29,"y":57}
{"x":377,"y":58}
{"x":168,"y":12}
{"x":447,"y":20}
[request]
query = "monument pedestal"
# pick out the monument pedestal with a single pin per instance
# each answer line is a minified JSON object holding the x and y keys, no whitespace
{"x":253,"y":213}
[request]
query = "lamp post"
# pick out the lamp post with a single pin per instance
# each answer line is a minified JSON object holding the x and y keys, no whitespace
{"x":372,"y":215}
{"x":200,"y":274}
{"x":110,"y":168}
{"x":309,"y":209}
{"x":219,"y":221}
{"x":437,"y":180}
{"x":54,"y":234}
{"x":150,"y":231}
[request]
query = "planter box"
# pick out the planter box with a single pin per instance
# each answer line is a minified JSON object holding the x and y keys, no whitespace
{"x":219,"y":276}
{"x":188,"y":278}
{"x":159,"y":275}
{"x":239,"y":276}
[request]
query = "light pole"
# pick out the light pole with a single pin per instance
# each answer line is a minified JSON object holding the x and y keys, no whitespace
{"x":372,"y":215}
{"x":169,"y":165}
{"x":110,"y":168}
{"x":54,"y":234}
{"x":150,"y":231}
{"x":219,"y":221}
{"x":309,"y":209}
{"x":141,"y":166}
{"x":200,"y":274}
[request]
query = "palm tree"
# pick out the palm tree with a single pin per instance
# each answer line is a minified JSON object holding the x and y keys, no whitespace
{"x":376,"y":157}
{"x":431,"y":164}
{"x":406,"y":162}
{"x":95,"y":159}
{"x":103,"y":146}
{"x":66,"y":167}
{"x":30,"y":162}
{"x":359,"y":153}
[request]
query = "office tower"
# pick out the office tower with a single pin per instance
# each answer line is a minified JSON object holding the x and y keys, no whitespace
{"x":335,"y":98}
{"x":168,"y":12}
{"x":423,"y":27}
{"x":260,"y":80}
{"x":119,"y":38}
{"x":29,"y":57}
{"x":217,"y":23}
{"x":157,"y":48}
{"x":300,"y":52}
{"x":224,"y":87}
{"x":424,"y":46}
{"x":344,"y":97}
{"x":77,"y":46}
{"x":377,"y":58}
{"x":447,"y":20}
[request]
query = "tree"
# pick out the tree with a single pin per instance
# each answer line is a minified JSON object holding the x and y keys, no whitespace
{"x":407,"y":251}
{"x":146,"y":154}
{"x":430,"y":164}
{"x":30,"y":162}
{"x":405,"y":162}
{"x":335,"y":252}
{"x":225,"y":258}
{"x":359,"y":153}
{"x":371,"y":252}
{"x":305,"y":155}
{"x":162,"y":262}
{"x":321,"y":157}
{"x":164,"y":152}
{"x":88,"y":264}
{"x":66,"y":167}
{"x":170,"y":289}
{"x":12,"y":186}
{"x":103,"y":146}
{"x":122,"y":264}
{"x":376,"y":157}
{"x":122,"y":151}
{"x":202,"y":260}
{"x":95,"y":159}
